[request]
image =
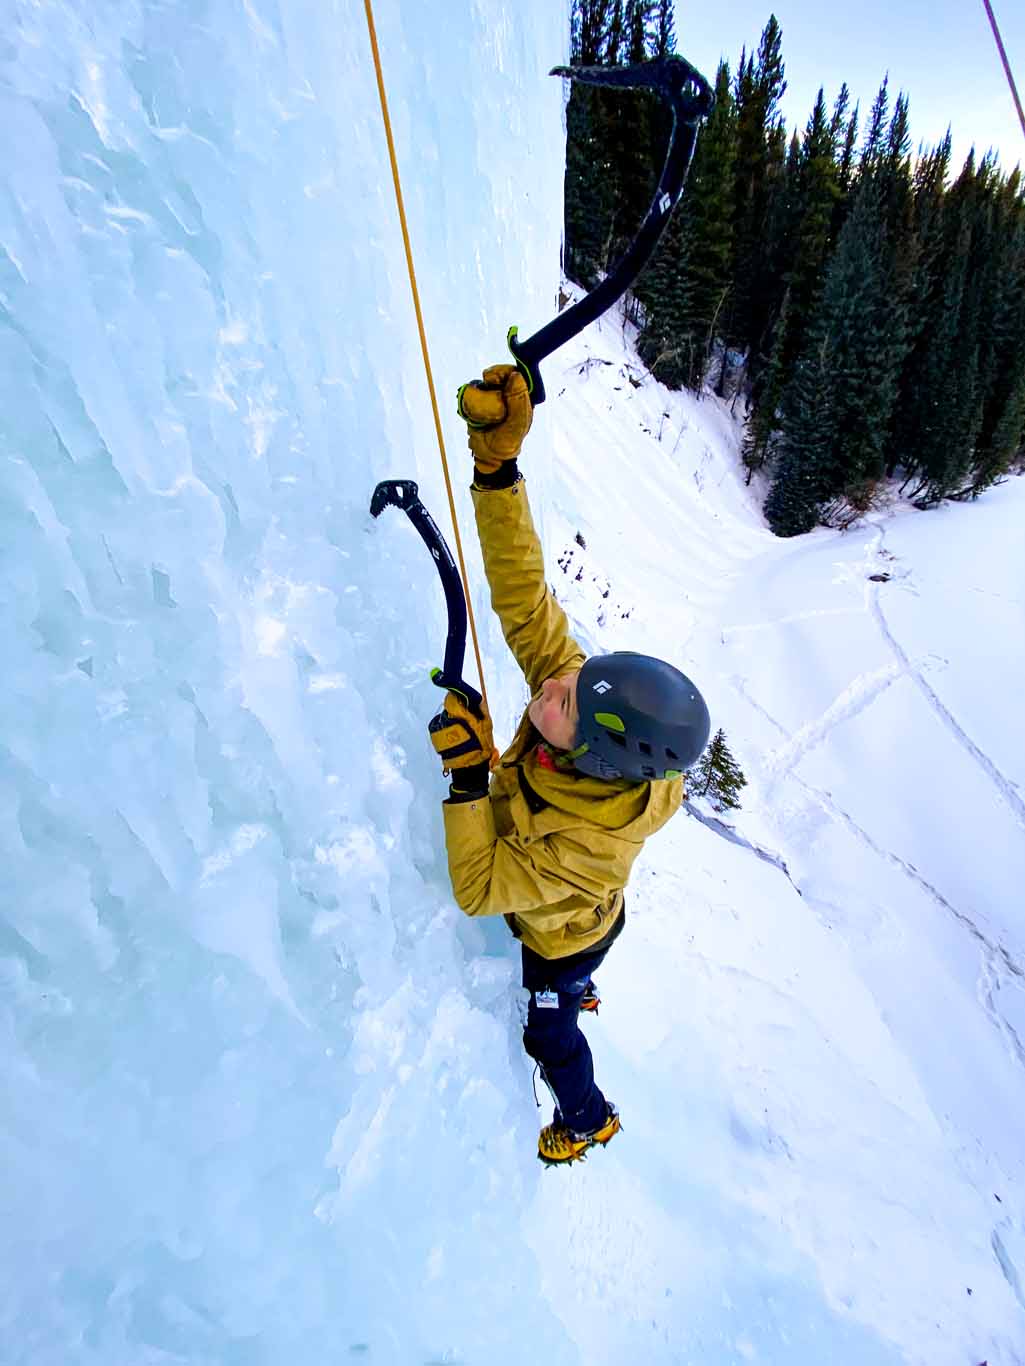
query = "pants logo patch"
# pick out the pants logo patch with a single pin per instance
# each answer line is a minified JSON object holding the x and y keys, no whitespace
{"x":547,"y":1000}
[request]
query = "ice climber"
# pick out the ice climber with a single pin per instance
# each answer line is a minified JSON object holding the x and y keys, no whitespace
{"x":548,"y":838}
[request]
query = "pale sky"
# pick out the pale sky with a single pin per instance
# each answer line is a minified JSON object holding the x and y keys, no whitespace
{"x":942,"y":54}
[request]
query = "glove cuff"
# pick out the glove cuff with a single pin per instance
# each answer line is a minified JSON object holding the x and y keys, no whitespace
{"x":503,"y":478}
{"x":470,"y":782}
{"x":455,"y":798}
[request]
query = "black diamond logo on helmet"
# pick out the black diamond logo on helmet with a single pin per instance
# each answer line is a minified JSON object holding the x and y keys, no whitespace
{"x":602,"y":687}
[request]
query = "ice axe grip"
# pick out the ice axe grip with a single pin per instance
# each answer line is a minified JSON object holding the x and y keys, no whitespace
{"x":404,"y":494}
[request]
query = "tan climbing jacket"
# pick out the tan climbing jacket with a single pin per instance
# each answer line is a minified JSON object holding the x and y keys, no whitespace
{"x":550,"y":850}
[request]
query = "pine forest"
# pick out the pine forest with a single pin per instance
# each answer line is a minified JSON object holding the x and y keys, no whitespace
{"x":862,"y":306}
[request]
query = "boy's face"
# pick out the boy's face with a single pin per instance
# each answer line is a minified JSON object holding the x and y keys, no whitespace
{"x":554,"y":710}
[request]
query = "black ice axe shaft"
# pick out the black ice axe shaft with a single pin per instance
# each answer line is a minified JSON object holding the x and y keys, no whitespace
{"x":404,"y":494}
{"x":690,"y":99}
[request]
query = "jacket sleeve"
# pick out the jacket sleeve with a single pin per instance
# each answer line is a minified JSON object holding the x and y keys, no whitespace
{"x":533,"y":623}
{"x":498,"y":875}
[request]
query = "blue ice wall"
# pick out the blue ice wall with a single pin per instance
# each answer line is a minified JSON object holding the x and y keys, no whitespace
{"x":248,"y":1050}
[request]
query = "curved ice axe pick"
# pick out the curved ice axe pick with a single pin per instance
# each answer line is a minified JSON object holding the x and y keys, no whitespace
{"x":690,"y":98}
{"x":404,"y":494}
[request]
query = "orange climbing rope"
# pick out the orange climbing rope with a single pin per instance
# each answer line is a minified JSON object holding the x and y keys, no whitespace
{"x":423,"y":340}
{"x":1007,"y":64}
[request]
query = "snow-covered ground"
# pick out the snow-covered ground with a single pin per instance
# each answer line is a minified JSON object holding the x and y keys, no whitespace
{"x":841,"y":1051}
{"x":263,"y":1094}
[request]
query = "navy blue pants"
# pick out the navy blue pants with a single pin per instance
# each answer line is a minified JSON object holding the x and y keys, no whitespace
{"x":553,"y":1038}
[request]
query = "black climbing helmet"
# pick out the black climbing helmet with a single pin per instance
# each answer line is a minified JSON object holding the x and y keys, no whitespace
{"x":639,"y":718}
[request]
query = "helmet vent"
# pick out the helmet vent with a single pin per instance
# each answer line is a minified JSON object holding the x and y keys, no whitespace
{"x":619,"y":740}
{"x":671,"y":755}
{"x":643,"y":746}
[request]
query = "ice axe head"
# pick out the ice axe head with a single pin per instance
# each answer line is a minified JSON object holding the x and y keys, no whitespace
{"x":690,"y":98}
{"x":672,"y":78}
{"x":394,"y":493}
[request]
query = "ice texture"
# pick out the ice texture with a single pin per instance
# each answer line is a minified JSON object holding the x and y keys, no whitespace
{"x":229,"y":963}
{"x":262,"y":1095}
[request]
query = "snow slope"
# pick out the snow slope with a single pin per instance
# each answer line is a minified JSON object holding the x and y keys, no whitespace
{"x":263,"y":1093}
{"x":843,"y":1047}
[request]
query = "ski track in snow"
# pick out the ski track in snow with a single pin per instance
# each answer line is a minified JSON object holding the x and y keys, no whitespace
{"x":860,"y":693}
{"x":997,"y":964}
{"x":788,"y":620}
{"x":998,"y":967}
{"x":995,"y":956}
{"x":1006,"y":789}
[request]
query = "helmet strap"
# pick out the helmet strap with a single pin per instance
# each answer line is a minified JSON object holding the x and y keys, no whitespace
{"x":567,"y":758}
{"x":562,"y":759}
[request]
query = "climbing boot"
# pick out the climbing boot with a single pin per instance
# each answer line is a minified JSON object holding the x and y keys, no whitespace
{"x":590,"y":999}
{"x":557,"y":1144}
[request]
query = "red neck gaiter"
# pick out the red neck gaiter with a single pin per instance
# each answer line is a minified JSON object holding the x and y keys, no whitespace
{"x":545,"y":758}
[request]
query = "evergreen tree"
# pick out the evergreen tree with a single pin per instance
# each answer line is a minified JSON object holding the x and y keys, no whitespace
{"x":927,"y":441}
{"x":949,"y":413}
{"x":875,"y":132}
{"x":804,"y":450}
{"x":615,"y":139}
{"x":684,"y":288}
{"x":767,"y":396}
{"x":615,"y":35}
{"x":664,"y":29}
{"x":939,"y":441}
{"x":928,"y":309}
{"x":803,"y":241}
{"x":1003,"y":353}
{"x":845,"y":172}
{"x":838,"y":407}
{"x":759,"y":88}
{"x":664,"y":344}
{"x":639,"y":18}
{"x":588,"y":187}
{"x":815,"y":194}
{"x":782,"y":162}
{"x":588,"y":190}
{"x":838,"y":120}
{"x":661,"y":43}
{"x":637,"y":133}
{"x":589,"y":21}
{"x":1006,"y":446}
{"x":719,"y":775}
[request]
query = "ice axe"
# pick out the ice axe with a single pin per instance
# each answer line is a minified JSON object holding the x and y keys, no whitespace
{"x":404,"y":494}
{"x":690,"y":98}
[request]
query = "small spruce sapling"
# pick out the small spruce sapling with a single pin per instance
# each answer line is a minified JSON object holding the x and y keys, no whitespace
{"x":718,"y":775}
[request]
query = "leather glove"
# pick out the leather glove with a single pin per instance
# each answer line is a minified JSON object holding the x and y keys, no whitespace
{"x":499,"y":413}
{"x":463,"y":741}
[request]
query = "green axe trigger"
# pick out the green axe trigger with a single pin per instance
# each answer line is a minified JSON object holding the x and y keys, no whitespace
{"x":439,"y":682}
